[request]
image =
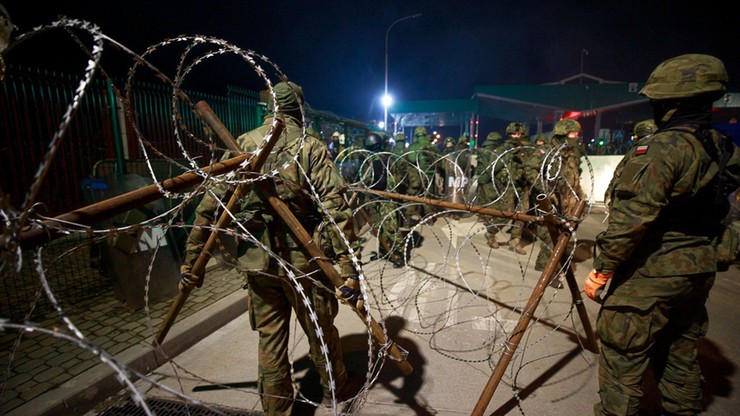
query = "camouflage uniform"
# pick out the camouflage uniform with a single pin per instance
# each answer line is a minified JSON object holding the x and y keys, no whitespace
{"x":565,"y":190}
{"x":509,"y":178}
{"x":420,"y":159}
{"x":271,"y":293}
{"x":379,"y":173}
{"x":399,"y":164}
{"x":658,"y":244}
{"x":488,"y":195}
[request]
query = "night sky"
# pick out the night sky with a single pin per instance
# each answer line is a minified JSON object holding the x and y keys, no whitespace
{"x":336,"y":49}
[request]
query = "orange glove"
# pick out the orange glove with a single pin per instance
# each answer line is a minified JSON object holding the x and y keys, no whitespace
{"x":595,"y":283}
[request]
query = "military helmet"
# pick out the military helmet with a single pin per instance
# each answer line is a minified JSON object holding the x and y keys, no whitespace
{"x":493,"y":139}
{"x":289,"y":96}
{"x":400,"y":137}
{"x":449,"y":142}
{"x":516,"y":127}
{"x":373,"y":141}
{"x":687,"y":76}
{"x":420,"y":131}
{"x":565,"y":126}
{"x":540,"y":139}
{"x":644,"y":128}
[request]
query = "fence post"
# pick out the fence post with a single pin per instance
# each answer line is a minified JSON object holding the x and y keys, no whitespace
{"x":120,"y":160}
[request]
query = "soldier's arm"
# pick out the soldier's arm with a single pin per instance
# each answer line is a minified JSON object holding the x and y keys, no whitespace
{"x":331,"y":187}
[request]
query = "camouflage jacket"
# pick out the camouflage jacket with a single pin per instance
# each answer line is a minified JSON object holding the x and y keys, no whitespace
{"x":509,"y":158}
{"x":568,"y":181}
{"x":422,"y":153}
{"x":303,"y":167}
{"x":662,"y":213}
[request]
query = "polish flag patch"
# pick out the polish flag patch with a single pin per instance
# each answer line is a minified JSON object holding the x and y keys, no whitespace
{"x":641,"y":150}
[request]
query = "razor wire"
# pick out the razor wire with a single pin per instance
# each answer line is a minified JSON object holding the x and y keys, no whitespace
{"x":450,"y":281}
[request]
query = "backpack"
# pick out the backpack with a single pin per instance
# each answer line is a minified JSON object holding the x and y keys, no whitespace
{"x":727,"y":241}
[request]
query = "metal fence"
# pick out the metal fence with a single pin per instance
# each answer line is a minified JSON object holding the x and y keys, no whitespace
{"x":100,"y":143}
{"x":33,"y":101}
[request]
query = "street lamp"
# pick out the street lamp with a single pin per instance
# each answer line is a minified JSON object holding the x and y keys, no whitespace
{"x":387,"y":98}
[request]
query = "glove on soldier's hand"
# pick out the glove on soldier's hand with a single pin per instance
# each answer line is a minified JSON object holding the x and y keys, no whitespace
{"x":594,"y":284}
{"x":350,"y":292}
{"x":187,"y":279}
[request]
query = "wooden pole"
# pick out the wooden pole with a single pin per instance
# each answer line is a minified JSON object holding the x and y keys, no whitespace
{"x":513,"y":342}
{"x":31,"y":237}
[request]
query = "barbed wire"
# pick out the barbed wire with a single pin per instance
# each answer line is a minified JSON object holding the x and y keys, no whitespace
{"x":448,"y":279}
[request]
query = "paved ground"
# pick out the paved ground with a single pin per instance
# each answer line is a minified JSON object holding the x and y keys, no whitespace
{"x":453,"y":308}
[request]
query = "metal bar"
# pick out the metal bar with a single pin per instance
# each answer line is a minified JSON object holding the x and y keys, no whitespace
{"x":90,"y":214}
{"x":267,"y":192}
{"x":575,"y":291}
{"x":516,"y":335}
{"x":463,"y":207}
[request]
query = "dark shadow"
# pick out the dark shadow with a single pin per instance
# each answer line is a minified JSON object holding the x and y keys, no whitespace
{"x":354,"y":348}
{"x":225,"y":386}
{"x":584,"y":251}
{"x":717,"y":370}
{"x":522,"y":394}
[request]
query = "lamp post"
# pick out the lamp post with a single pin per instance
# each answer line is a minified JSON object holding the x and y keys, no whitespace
{"x":386,"y":98}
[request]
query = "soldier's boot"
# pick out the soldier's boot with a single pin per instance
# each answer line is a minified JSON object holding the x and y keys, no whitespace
{"x":346,"y":392}
{"x":493,"y":243}
{"x":398,"y":261}
{"x":515,"y":246}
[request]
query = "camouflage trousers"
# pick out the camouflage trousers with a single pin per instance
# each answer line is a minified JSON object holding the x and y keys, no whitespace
{"x":652,"y":321}
{"x":418,"y":185}
{"x":271,"y":300}
{"x":386,"y":219}
{"x":500,"y":198}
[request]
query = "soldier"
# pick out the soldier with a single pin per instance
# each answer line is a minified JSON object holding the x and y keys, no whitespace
{"x":509,"y":178}
{"x":378,"y":173}
{"x":336,"y":145}
{"x":420,"y":170}
{"x":399,"y":163}
{"x":449,"y":145}
{"x":566,"y":187}
{"x":488,"y":194}
{"x":303,"y":166}
{"x":666,"y":208}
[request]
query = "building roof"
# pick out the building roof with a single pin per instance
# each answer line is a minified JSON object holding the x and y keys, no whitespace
{"x":581,"y":93}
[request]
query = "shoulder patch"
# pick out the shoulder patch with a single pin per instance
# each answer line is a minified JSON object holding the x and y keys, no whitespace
{"x":641,"y":150}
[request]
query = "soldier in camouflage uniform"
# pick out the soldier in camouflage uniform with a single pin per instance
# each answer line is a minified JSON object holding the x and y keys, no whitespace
{"x":272,"y":292}
{"x":399,"y":164}
{"x":379,"y":173}
{"x":657,"y":249}
{"x":488,"y":194}
{"x":565,"y":189}
{"x":420,"y":171}
{"x":508,"y":176}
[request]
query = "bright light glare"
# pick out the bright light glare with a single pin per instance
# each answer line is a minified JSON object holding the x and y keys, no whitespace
{"x":387,"y":100}
{"x":381,"y":125}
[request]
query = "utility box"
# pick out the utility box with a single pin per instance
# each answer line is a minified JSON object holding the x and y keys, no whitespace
{"x":142,"y":259}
